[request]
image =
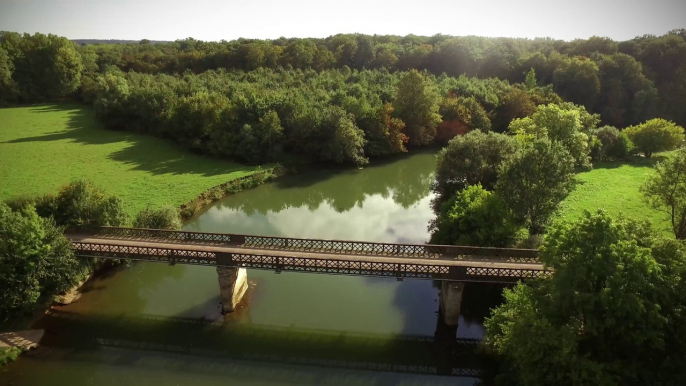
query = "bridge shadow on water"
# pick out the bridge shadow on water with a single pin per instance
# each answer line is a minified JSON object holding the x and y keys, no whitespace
{"x":142,"y":336}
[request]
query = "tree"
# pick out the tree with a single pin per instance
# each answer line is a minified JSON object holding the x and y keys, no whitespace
{"x":35,"y":260}
{"x":344,"y":140}
{"x":534,"y":181}
{"x":416,"y":104}
{"x":471,"y":159}
{"x":7,"y":85}
{"x":165,"y":217}
{"x":561,"y":124}
{"x":48,"y":67}
{"x":530,"y":81}
{"x":474,"y":216}
{"x":627,"y":97}
{"x":666,"y":191}
{"x":655,"y":135}
{"x":577,"y":80}
{"x":604,"y":316}
{"x":385,"y":134}
{"x":461,"y":115}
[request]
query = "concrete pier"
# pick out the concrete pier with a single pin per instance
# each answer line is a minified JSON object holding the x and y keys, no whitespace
{"x":233,"y":282}
{"x":451,"y":301}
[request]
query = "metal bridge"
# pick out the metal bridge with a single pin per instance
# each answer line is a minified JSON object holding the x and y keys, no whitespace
{"x":435,"y":262}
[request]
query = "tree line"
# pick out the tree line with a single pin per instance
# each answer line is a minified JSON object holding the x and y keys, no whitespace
{"x":625,"y":82}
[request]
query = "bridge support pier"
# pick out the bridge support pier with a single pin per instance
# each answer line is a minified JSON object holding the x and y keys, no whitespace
{"x":233,"y":282}
{"x":450,"y":302}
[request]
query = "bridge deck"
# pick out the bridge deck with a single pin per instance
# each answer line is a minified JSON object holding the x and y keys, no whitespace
{"x":442,"y":268}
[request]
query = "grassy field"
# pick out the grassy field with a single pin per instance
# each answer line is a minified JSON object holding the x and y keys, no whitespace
{"x":614,"y":187}
{"x":44,"y":147}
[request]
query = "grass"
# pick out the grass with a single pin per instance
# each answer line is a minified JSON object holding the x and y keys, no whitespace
{"x":614,"y":187}
{"x":45,"y":147}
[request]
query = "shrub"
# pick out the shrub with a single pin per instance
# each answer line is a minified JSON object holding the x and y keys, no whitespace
{"x":81,"y":204}
{"x":614,"y":144}
{"x":166,"y":217}
{"x":655,"y":135}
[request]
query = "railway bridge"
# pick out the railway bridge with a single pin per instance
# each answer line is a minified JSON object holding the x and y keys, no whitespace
{"x":231,"y":254}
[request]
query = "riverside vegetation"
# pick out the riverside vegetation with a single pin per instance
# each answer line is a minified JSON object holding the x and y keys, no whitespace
{"x":519,"y":118}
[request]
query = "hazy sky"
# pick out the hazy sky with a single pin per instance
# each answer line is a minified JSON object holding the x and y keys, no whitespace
{"x":270,"y":19}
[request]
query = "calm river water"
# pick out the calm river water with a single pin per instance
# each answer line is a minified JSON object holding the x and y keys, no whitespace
{"x":157,"y":324}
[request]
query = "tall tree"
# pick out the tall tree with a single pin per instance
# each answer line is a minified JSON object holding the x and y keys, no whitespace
{"x":566,"y":124}
{"x":577,"y":80}
{"x":47,"y":67}
{"x":416,"y":104}
{"x":7,"y":85}
{"x":534,"y":181}
{"x":666,"y":191}
{"x":606,"y":314}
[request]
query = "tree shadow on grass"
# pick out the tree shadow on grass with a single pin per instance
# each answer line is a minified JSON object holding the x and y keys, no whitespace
{"x":145,"y":153}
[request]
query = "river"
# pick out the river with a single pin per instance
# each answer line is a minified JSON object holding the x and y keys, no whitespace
{"x":151,"y":323}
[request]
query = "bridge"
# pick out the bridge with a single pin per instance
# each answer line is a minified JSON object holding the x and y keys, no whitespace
{"x":233,"y":253}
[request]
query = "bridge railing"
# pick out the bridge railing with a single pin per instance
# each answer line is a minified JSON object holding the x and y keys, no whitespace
{"x":427,"y":251}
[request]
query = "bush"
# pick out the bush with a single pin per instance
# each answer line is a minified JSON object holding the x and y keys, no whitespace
{"x":614,"y":144}
{"x":475,"y":217}
{"x":82,"y":204}
{"x":655,"y":135}
{"x":8,"y":354}
{"x":166,"y":217}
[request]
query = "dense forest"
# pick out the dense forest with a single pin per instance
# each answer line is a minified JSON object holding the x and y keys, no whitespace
{"x":347,"y":97}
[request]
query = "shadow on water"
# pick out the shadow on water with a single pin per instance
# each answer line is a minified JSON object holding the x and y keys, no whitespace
{"x":144,"y":335}
{"x":145,"y":153}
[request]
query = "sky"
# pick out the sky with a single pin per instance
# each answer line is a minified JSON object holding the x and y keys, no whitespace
{"x":270,"y":19}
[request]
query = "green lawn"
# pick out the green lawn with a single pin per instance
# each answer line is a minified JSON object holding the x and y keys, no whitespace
{"x":615,"y":188}
{"x":44,"y":147}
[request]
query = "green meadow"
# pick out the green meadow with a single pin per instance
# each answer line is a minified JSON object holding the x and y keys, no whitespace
{"x":44,"y":147}
{"x":615,"y":187}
